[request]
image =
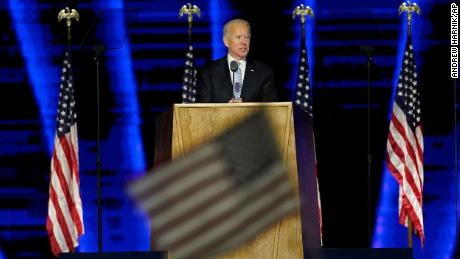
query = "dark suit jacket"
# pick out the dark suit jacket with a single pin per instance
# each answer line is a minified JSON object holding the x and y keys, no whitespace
{"x":215,"y":86}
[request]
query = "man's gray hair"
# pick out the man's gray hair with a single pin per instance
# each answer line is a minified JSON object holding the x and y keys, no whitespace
{"x":235,"y":21}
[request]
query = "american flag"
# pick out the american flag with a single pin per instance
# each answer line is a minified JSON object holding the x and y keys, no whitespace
{"x":405,"y":144}
{"x":65,"y":216}
{"x":219,"y":196}
{"x":303,"y":92}
{"x":189,"y":78}
{"x":304,"y":102}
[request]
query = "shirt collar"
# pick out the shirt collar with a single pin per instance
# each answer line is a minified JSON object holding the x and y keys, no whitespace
{"x":230,"y":58}
{"x":242,"y":62}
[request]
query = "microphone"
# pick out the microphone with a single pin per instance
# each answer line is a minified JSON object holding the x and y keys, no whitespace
{"x":234,"y":66}
{"x":368,"y":50}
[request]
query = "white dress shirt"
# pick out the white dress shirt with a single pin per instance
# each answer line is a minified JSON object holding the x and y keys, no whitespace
{"x":242,"y":66}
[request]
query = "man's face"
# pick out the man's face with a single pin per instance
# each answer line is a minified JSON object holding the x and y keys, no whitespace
{"x":238,"y":40}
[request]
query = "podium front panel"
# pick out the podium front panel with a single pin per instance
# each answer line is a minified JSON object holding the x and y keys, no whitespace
{"x":195,"y":124}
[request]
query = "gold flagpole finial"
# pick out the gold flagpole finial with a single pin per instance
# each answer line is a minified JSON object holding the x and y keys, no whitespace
{"x":68,"y":14}
{"x":410,"y":8}
{"x":302,"y":11}
{"x":189,"y":10}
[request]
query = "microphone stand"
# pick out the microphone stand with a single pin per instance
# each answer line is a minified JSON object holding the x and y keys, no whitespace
{"x":368,"y":52}
{"x":233,"y":83}
{"x":369,"y":152}
{"x":98,"y":49}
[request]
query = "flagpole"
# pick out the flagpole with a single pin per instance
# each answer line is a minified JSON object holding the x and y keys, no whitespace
{"x":68,"y":14}
{"x":409,"y":8}
{"x":302,"y":11}
{"x":189,"y":79}
{"x":58,"y":246}
{"x":189,"y":10}
{"x":303,"y":101}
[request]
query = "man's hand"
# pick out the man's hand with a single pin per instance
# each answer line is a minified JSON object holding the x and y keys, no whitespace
{"x":235,"y":100}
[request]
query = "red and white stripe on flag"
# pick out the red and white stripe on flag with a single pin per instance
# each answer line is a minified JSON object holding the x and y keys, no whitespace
{"x":201,"y":206}
{"x":405,"y":162}
{"x":65,"y":216}
{"x":405,"y":144}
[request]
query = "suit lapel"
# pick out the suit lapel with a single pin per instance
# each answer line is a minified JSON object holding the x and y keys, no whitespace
{"x":249,"y":79}
{"x":227,"y":86}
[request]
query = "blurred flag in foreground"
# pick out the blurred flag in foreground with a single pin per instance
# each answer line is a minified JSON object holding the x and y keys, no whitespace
{"x":219,"y":196}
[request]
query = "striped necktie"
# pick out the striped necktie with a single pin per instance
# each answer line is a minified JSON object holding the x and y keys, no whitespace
{"x":237,"y":83}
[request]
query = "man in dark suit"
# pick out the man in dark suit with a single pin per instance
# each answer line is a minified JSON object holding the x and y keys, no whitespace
{"x":251,"y":81}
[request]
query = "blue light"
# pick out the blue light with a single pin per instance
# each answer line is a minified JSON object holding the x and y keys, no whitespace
{"x":123,"y":84}
{"x":124,"y":228}
{"x":218,"y":16}
{"x":43,"y":76}
{"x":387,"y":230}
{"x":122,"y":81}
{"x":310,"y":25}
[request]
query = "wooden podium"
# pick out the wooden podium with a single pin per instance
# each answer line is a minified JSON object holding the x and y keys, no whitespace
{"x":187,"y":126}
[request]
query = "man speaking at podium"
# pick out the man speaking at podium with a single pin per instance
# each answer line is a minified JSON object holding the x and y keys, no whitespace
{"x":233,"y":78}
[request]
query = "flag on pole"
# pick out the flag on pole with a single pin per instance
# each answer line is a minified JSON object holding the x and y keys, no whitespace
{"x":189,"y":77}
{"x":304,"y":102}
{"x":219,"y":196}
{"x":65,"y":216}
{"x":405,"y":144}
{"x":303,"y":91}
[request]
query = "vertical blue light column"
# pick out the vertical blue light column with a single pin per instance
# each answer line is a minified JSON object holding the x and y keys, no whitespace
{"x":218,"y":16}
{"x":42,"y":74}
{"x":439,"y":215}
{"x":387,"y":230}
{"x":123,"y":84}
{"x":124,"y":227}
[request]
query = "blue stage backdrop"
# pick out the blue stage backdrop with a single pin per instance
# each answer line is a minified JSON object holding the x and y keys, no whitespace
{"x":141,"y":76}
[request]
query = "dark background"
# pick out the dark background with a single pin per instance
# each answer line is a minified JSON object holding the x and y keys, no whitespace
{"x":141,"y":77}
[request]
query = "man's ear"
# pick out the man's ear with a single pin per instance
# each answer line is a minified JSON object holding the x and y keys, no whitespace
{"x":225,"y":41}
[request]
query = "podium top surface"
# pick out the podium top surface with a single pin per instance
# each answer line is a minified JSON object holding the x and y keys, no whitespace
{"x":249,"y":104}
